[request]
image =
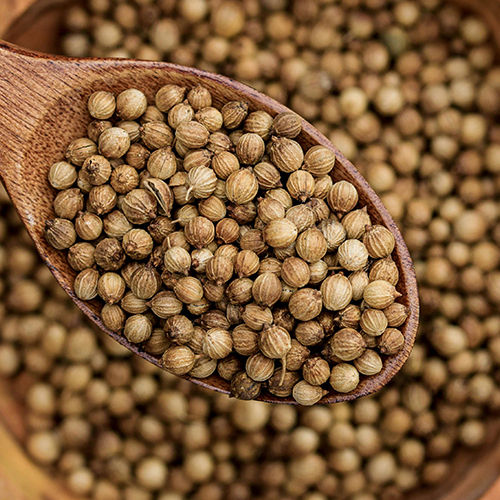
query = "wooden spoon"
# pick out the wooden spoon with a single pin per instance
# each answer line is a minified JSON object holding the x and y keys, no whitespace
{"x":43,"y":107}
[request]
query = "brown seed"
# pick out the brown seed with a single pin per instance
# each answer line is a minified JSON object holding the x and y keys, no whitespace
{"x":259,"y":367}
{"x":296,"y":355}
{"x":245,"y":340}
{"x":295,"y":272}
{"x":306,"y":394}
{"x":302,"y":216}
{"x":319,"y":160}
{"x":347,"y":344}
{"x":260,"y":123}
{"x":217,"y":343}
{"x":287,"y":124}
{"x":133,"y":305}
{"x":227,"y":230}
{"x":336,"y":292}
{"x":305,"y":304}
{"x":101,"y":199}
{"x":352,"y":255}
{"x":322,"y":187}
{"x":145,"y":282}
{"x":233,"y":113}
{"x":224,"y":164}
{"x":212,"y":208}
{"x":380,"y":294}
{"x":391,"y":342}
{"x":266,"y":289}
{"x":344,"y":378}
{"x":373,"y":322}
{"x":343,"y":197}
{"x":85,"y":285}
{"x":168,"y":96}
{"x":109,"y":254}
{"x":79,"y":150}
{"x":268,"y":176}
{"x":316,"y":371}
{"x":333,"y":232}
{"x":60,"y":233}
{"x":111,"y":287}
{"x":309,"y":333}
{"x":379,"y":241}
{"x":243,"y":387}
{"x":113,"y":317}
{"x":280,"y":233}
{"x":62,"y":175}
{"x":384,"y":269}
{"x":189,"y":290}
{"x":241,"y":186}
{"x":177,"y":260}
{"x":246,"y":263}
{"x":179,"y":329}
{"x":396,"y":314}
{"x":192,"y":134}
{"x":178,"y":360}
{"x":286,"y":154}
{"x":219,"y":269}
{"x":255,"y":316}
{"x":96,"y":169}
{"x":300,"y":185}
{"x":369,"y":363}
{"x":250,"y":149}
{"x":311,"y":245}
{"x":203,"y":367}
{"x":280,"y":384}
{"x":139,"y":206}
{"x":81,"y":256}
{"x":350,"y":316}
{"x":101,"y":105}
{"x":137,"y":244}
{"x":114,"y":142}
{"x":199,"y":232}
{"x":137,"y":328}
{"x":269,"y":209}
{"x":165,"y":304}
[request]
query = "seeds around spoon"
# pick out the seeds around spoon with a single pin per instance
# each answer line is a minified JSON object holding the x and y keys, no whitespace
{"x":196,"y":234}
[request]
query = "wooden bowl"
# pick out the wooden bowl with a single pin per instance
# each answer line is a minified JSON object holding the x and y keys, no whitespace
{"x":473,"y":471}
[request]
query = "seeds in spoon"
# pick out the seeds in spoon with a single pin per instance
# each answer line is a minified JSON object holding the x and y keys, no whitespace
{"x":185,"y":232}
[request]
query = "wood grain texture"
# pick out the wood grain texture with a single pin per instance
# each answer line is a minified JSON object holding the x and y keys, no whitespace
{"x":41,"y":114}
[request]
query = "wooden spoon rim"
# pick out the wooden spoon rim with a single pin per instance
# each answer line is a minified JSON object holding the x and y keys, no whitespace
{"x":407,"y":282}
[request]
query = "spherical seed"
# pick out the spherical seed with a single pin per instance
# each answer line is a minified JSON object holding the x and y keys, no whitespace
{"x":379,"y":241}
{"x":177,"y":260}
{"x":266,"y":289}
{"x":300,"y":185}
{"x":316,"y":371}
{"x":280,"y":233}
{"x":81,"y":256}
{"x":384,"y":269}
{"x":286,"y":154}
{"x":250,"y":149}
{"x":336,"y":292}
{"x":396,"y":314}
{"x":60,"y":233}
{"x":342,"y":197}
{"x":145,"y":281}
{"x":137,"y":244}
{"x":114,"y":142}
{"x":369,"y":363}
{"x":259,"y":367}
{"x":241,"y":186}
{"x":268,"y":176}
{"x":319,"y":160}
{"x":178,"y":360}
{"x":233,"y":113}
{"x":168,"y":96}
{"x":62,"y":175}
{"x":333,"y":232}
{"x":246,"y":263}
{"x":373,"y":322}
{"x":380,"y":294}
{"x":85,"y":285}
{"x":101,"y":105}
{"x":311,"y":245}
{"x":192,"y":134}
{"x":165,"y":304}
{"x":201,"y":181}
{"x":305,"y":304}
{"x":162,"y":163}
{"x":306,"y":394}
{"x":245,"y":340}
{"x":138,"y":328}
{"x":199,"y":232}
{"x":188,"y":290}
{"x":139,"y":206}
{"x":243,"y":387}
{"x":131,"y":104}
{"x":96,"y":169}
{"x":227,"y":230}
{"x":179,"y":329}
{"x":347,"y":344}
{"x":255,"y":316}
{"x":391,"y":342}
{"x":295,"y":272}
{"x":344,"y":378}
{"x":356,"y":222}
{"x":111,"y":287}
{"x":113,"y":317}
{"x":217,"y":343}
{"x":352,"y":255}
{"x":287,"y":124}
{"x":309,"y":332}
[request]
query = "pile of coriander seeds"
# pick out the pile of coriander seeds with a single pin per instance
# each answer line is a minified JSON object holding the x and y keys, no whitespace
{"x":214,"y":240}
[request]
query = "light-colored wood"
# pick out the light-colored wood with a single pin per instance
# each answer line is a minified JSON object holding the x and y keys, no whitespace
{"x":43,"y":107}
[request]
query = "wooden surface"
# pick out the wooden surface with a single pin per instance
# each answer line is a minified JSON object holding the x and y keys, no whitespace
{"x":39,"y":116}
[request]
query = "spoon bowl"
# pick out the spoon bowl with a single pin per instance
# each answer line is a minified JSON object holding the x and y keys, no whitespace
{"x":43,"y":106}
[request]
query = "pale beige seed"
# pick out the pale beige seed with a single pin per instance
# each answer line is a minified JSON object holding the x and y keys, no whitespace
{"x":62,"y":175}
{"x":201,"y":182}
{"x":300,"y":185}
{"x":286,"y":154}
{"x":85,"y":285}
{"x":336,"y":292}
{"x":356,"y":222}
{"x":396,"y":314}
{"x":333,"y":232}
{"x":343,"y":197}
{"x":266,"y":289}
{"x":178,"y":360}
{"x":319,"y":160}
{"x":316,"y":371}
{"x":177,"y":260}
{"x":391,"y":342}
{"x":189,"y":290}
{"x":255,"y":316}
{"x":245,"y":340}
{"x":352,"y":255}
{"x":373,"y":322}
{"x":280,"y":233}
{"x":379,"y":241}
{"x":101,"y":105}
{"x":203,"y":366}
{"x":380,"y":294}
{"x":344,"y":378}
{"x":217,"y":343}
{"x":369,"y":363}
{"x":199,"y":232}
{"x":165,"y":304}
{"x":295,"y":272}
{"x":306,"y":394}
{"x":224,"y":164}
{"x":246,"y":263}
{"x":259,"y":367}
{"x":311,"y":245}
{"x":241,"y":186}
{"x":138,"y":328}
{"x":250,"y":149}
{"x":358,"y":280}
